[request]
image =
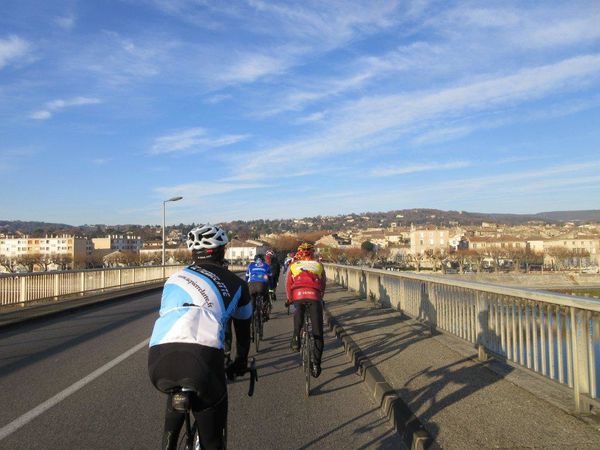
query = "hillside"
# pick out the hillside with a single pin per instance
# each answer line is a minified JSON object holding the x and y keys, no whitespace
{"x":404,"y":217}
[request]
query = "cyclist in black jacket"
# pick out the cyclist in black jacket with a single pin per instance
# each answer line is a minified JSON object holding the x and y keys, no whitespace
{"x":186,"y":347}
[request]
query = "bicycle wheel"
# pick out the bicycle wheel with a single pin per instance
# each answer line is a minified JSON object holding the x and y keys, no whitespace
{"x":256,"y":326}
{"x":306,"y":357}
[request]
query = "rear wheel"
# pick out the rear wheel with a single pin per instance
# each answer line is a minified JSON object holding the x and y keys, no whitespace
{"x":306,"y":358}
{"x":257,"y":330}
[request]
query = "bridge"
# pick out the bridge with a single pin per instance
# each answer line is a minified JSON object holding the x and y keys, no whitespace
{"x":410,"y":360}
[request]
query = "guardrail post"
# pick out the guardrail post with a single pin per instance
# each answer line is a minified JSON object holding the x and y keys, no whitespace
{"x":23,"y":290}
{"x":56,"y":286}
{"x":119,"y":277}
{"x":482,"y":326}
{"x":82,"y":282}
{"x":579,"y":336}
{"x":102,"y":280}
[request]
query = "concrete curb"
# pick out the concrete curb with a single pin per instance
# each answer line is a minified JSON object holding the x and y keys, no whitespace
{"x":45,"y":310}
{"x":407,"y":425}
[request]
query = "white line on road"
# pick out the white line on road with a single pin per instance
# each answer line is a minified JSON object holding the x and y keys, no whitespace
{"x":43,"y":407}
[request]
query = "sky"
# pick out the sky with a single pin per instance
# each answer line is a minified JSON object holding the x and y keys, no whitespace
{"x":281,"y":109}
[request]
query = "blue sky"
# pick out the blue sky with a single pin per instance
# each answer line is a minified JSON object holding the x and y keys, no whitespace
{"x":258,"y":109}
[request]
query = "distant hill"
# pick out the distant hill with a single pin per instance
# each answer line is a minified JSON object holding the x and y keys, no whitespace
{"x":248,"y":228}
{"x":592,"y":215}
{"x":12,"y":227}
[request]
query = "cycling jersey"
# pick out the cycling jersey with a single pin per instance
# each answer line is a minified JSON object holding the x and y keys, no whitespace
{"x":305,"y":281}
{"x":196,"y":304}
{"x":259,"y":272}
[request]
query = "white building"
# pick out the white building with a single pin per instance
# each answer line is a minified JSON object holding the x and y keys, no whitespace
{"x":244,"y":251}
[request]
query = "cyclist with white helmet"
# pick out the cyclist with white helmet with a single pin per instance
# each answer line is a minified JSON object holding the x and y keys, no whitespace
{"x":186,"y":347}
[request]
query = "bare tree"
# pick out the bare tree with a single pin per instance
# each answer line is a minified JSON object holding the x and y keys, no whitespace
{"x":286,"y":243}
{"x":182,"y":256}
{"x":417,"y":259}
{"x":436,"y":257}
{"x":559,"y":256}
{"x":9,"y":264}
{"x":63,"y":261}
{"x":29,"y":260}
{"x":45,"y":261}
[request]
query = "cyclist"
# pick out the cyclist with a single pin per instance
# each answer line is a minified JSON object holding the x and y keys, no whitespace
{"x":306,"y":282}
{"x":273,"y":261}
{"x":186,"y":347}
{"x":288,"y":260}
{"x":260,"y":280}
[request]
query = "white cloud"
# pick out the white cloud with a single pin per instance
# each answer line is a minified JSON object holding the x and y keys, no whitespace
{"x":217,"y":98}
{"x":11,"y":49}
{"x":57,"y":105}
{"x":204,"y":191}
{"x":376,"y":120}
{"x":413,"y":168}
{"x":65,"y":22}
{"x":314,"y":117}
{"x":192,"y":140}
{"x":101,"y":161}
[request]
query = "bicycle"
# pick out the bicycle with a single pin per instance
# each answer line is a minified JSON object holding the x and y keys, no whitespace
{"x":307,"y":347}
{"x":256,"y":326}
{"x":190,"y":439}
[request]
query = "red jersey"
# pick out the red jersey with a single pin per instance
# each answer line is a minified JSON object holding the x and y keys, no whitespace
{"x":305,"y":281}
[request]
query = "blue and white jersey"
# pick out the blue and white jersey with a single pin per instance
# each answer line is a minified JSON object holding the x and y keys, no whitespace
{"x":196,"y":304}
{"x":259,"y":272}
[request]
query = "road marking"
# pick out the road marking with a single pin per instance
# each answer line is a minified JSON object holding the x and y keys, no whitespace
{"x":7,"y":430}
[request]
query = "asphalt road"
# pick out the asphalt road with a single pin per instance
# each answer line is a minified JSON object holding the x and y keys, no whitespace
{"x":80,"y":380}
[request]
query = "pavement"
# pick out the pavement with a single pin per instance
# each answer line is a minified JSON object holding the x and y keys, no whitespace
{"x":437,"y":394}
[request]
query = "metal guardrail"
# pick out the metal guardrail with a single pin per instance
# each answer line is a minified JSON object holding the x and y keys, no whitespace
{"x":23,"y":288}
{"x":555,"y":335}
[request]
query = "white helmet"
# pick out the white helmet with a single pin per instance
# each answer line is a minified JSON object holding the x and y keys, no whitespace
{"x":206,"y":237}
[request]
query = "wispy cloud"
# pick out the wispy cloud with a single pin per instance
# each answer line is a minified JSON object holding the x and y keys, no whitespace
{"x":56,"y":105}
{"x":217,"y":98}
{"x":203,"y":192}
{"x":373,"y":121}
{"x":101,"y":161}
{"x":12,"y":48}
{"x":413,"y":168}
{"x":192,"y":140}
{"x":66,"y":22}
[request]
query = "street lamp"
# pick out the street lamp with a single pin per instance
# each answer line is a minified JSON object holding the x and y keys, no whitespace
{"x":172,"y":199}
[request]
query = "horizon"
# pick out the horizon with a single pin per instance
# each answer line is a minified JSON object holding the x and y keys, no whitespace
{"x":252,"y":110}
{"x":305,"y":217}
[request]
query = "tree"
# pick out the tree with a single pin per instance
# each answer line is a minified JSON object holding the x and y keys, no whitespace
{"x":182,"y":256}
{"x":8,"y":263}
{"x":368,"y":246}
{"x":436,"y":256}
{"x":559,"y":256}
{"x":286,"y":243}
{"x":29,"y":261}
{"x":63,"y":261}
{"x":417,"y":259}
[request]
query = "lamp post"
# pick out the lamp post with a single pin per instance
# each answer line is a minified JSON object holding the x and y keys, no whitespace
{"x":172,"y":199}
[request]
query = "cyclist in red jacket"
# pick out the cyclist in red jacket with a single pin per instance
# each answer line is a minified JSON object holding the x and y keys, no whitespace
{"x":306,"y":282}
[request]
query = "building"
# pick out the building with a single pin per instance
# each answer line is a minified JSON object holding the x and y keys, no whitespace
{"x":76,"y":249}
{"x":425,"y":239}
{"x":118,"y":242}
{"x":244,"y":251}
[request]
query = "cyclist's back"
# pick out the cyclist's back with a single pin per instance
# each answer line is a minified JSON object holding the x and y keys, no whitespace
{"x":186,"y":347}
{"x":305,"y":286}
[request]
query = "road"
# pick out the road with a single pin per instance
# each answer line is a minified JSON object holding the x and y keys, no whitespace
{"x":80,"y":380}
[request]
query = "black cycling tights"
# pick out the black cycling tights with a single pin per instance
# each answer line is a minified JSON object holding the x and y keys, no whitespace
{"x":316,"y":320}
{"x":211,"y":422}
